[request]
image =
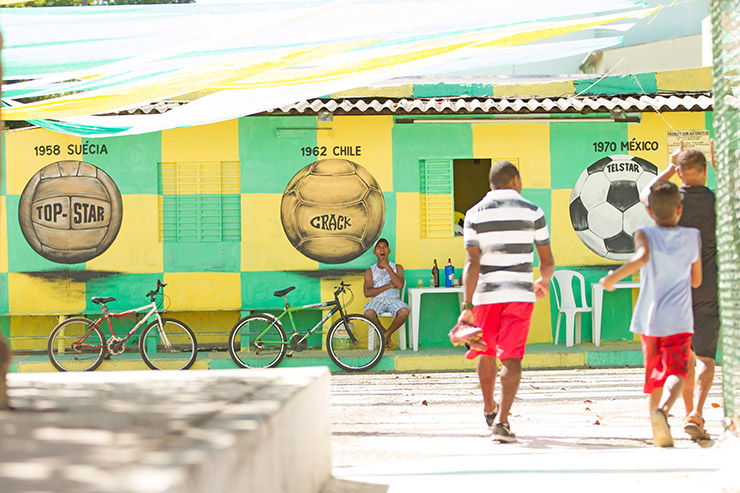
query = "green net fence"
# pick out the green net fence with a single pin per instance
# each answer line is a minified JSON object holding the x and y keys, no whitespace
{"x":725,"y":17}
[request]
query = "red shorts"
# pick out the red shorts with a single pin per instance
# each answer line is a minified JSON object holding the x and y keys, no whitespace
{"x":665,"y":356}
{"x":505,"y":328}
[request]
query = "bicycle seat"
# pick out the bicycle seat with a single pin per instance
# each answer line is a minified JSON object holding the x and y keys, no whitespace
{"x":102,"y":301}
{"x":283,"y":292}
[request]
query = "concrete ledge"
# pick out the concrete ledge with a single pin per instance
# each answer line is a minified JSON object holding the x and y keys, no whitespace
{"x":190,"y":432}
{"x":537,"y":356}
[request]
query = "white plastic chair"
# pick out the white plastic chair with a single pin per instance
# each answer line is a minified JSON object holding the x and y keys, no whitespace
{"x":402,"y":329}
{"x":566,"y":303}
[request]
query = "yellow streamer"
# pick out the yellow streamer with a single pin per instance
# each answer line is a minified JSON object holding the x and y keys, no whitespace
{"x":244,"y":73}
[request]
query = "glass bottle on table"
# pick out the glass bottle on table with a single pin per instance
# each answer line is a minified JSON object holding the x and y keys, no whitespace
{"x":449,"y":274}
{"x":435,"y":275}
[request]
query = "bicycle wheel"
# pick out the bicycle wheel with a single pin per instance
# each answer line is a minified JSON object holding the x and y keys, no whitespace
{"x":258,"y":341}
{"x":172,"y":348}
{"x":355,"y":357}
{"x":75,"y":345}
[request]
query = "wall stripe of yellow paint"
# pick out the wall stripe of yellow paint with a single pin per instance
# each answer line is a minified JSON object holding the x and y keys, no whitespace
{"x":328,"y":284}
{"x":545,"y":89}
{"x":136,"y":248}
{"x":653,"y":128}
{"x":37,"y":295}
{"x":372,"y":135}
{"x":530,"y":143}
{"x":3,"y":234}
{"x":23,"y":154}
{"x":400,"y":91}
{"x":193,"y":291}
{"x":31,"y":332}
{"x":567,"y":248}
{"x":415,"y":253}
{"x":215,"y":142}
{"x":208,"y":322}
{"x":689,"y":79}
{"x":540,"y":329}
{"x":264,"y":244}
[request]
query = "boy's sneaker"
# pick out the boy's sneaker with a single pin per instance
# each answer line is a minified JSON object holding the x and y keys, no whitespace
{"x":502,"y":433}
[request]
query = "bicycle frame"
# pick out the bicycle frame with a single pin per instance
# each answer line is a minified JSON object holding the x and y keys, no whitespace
{"x":152,"y":307}
{"x":289,"y":310}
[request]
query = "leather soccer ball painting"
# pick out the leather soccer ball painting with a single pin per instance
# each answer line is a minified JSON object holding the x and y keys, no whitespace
{"x":332,"y":211}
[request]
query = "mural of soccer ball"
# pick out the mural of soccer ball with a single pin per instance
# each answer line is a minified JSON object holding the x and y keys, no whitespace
{"x":332,"y":211}
{"x":605,"y":207}
{"x":70,"y":212}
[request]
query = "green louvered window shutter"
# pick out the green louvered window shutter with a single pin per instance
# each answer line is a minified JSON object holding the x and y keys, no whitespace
{"x":200,"y":202}
{"x":437,"y":201}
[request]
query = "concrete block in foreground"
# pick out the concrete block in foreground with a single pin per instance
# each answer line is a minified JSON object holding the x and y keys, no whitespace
{"x":212,"y":431}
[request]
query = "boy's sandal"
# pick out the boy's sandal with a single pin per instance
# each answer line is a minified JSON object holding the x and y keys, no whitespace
{"x":661,"y":430}
{"x":389,"y":346}
{"x":694,"y":426}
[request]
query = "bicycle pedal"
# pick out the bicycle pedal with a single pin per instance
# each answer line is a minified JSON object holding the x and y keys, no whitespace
{"x":289,"y":355}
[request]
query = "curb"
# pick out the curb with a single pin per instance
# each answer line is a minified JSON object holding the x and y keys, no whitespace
{"x":537,"y":357}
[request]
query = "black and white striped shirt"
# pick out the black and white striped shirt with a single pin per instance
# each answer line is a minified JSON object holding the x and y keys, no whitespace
{"x":505,"y":227}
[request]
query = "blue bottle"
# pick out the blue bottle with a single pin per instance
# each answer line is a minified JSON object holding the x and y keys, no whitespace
{"x":449,"y":274}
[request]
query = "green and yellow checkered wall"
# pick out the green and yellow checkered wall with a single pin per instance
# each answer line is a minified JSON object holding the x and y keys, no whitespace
{"x":210,"y":284}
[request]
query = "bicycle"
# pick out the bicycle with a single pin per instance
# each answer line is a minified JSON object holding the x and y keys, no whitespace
{"x":354,"y":342}
{"x":79,"y":344}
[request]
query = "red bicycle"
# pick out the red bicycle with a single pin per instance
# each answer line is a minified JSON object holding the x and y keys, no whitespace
{"x":78,"y":343}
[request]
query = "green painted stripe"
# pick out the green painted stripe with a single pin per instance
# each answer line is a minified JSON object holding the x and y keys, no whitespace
{"x":623,"y":84}
{"x":446,"y":90}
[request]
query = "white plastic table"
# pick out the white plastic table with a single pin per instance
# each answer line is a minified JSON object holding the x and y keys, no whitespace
{"x":415,"y":306}
{"x":597,"y":300}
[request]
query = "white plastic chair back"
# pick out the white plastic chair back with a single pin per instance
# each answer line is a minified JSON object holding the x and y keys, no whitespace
{"x":565,"y":299}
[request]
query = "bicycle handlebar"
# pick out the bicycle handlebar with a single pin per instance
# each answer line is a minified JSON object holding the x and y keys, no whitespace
{"x":153,"y":293}
{"x":340,"y":289}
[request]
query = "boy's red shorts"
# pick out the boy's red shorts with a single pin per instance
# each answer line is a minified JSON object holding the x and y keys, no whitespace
{"x":665,"y":356}
{"x":505,"y":328}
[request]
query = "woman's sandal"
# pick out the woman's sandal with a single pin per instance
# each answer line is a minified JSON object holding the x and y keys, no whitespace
{"x":694,"y":426}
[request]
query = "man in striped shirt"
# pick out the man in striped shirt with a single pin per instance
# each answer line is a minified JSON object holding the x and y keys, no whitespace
{"x":501,"y":233}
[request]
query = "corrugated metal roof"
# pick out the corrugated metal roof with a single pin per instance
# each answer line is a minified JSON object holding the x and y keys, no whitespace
{"x":481,"y":105}
{"x":490,"y":105}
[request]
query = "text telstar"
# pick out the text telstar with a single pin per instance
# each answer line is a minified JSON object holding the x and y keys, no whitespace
{"x":616,"y":167}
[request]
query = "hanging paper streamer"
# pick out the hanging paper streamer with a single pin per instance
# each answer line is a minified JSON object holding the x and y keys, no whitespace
{"x":232,"y":60}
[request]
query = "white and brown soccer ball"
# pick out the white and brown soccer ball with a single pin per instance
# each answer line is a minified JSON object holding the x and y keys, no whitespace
{"x":332,"y":211}
{"x":70,"y":212}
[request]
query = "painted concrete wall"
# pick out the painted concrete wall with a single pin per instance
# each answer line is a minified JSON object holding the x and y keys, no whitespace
{"x":674,"y":53}
{"x":211,"y":283}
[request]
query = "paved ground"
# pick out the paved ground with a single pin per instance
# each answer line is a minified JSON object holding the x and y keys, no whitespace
{"x":391,"y":432}
{"x":425,"y":432}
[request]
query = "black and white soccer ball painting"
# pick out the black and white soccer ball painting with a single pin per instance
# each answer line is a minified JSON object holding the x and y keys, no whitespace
{"x":605,"y":207}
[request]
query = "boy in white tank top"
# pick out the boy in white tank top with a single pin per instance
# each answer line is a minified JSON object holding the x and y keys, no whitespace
{"x":383,"y":280}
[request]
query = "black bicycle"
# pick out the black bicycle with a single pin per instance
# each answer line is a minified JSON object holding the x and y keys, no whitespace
{"x":353,"y":342}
